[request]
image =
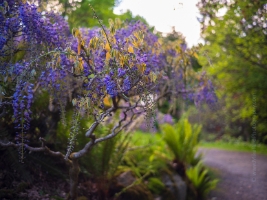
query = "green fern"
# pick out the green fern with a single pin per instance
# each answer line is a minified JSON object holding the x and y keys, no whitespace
{"x":155,"y":185}
{"x":104,"y":160}
{"x":201,"y":180}
{"x":182,"y":140}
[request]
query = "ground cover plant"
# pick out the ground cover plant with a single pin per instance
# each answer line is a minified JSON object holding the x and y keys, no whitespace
{"x":80,"y":80}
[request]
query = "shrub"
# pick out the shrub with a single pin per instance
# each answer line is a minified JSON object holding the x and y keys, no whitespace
{"x":182,"y":140}
{"x":201,"y":180}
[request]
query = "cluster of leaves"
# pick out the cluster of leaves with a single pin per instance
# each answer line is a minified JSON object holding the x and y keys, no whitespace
{"x":182,"y":139}
{"x":200,"y":178}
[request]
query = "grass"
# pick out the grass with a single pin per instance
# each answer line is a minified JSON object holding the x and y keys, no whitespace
{"x":235,"y":146}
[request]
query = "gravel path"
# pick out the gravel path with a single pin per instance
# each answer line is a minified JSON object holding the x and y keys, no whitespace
{"x":243,"y":176}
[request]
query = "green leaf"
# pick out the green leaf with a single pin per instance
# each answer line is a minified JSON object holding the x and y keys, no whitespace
{"x":195,"y":64}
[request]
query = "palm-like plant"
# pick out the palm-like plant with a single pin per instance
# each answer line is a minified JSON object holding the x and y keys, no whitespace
{"x":201,"y":180}
{"x":182,"y":140}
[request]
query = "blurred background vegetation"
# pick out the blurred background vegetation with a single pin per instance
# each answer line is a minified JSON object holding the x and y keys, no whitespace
{"x":79,"y":14}
{"x":234,"y":54}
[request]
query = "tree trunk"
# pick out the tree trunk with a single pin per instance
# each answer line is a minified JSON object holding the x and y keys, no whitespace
{"x":74,"y":175}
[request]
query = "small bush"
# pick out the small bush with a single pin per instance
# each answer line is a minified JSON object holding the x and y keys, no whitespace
{"x":201,"y":180}
{"x":182,"y":140}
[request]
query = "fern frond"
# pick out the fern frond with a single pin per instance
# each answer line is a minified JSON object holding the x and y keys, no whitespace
{"x":199,"y":177}
{"x":182,"y":139}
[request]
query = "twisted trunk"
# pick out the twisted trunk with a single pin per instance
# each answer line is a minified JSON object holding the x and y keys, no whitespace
{"x":74,"y":175}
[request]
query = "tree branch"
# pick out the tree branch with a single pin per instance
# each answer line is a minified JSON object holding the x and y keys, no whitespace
{"x":114,"y":132}
{"x":44,"y":149}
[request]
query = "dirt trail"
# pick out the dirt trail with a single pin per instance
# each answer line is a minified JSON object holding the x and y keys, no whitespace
{"x":243,"y":176}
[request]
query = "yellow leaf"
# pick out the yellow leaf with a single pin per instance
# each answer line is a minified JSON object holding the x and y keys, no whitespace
{"x":80,"y":64}
{"x":58,"y":60}
{"x":130,"y":49}
{"x":153,"y":77}
{"x":107,"y":101}
{"x":93,"y":42}
{"x":115,"y":53}
{"x":141,"y":67}
{"x":82,"y":42}
{"x":107,"y":47}
{"x":79,"y":47}
{"x":77,"y":33}
{"x":136,"y":34}
{"x":121,"y":61}
{"x":108,"y":56}
{"x":146,"y":79}
{"x":114,"y":40}
{"x":136,"y":44}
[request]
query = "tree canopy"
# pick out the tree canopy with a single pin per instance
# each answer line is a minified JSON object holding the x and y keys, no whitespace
{"x":80,"y":14}
{"x":236,"y":51}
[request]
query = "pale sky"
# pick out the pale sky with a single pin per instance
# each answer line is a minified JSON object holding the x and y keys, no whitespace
{"x":163,"y":14}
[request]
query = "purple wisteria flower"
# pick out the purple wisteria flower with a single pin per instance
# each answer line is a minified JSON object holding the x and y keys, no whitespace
{"x":126,"y":84}
{"x":168,"y":119}
{"x":183,"y":46}
{"x":111,"y":86}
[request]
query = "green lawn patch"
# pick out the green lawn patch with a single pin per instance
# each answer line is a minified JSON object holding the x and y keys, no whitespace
{"x":236,"y":146}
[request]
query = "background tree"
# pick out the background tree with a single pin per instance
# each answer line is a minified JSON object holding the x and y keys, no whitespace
{"x":235,"y":49}
{"x":79,"y":14}
{"x":182,"y":70}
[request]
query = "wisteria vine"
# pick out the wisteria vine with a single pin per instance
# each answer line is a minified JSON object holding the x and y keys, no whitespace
{"x":95,"y":69}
